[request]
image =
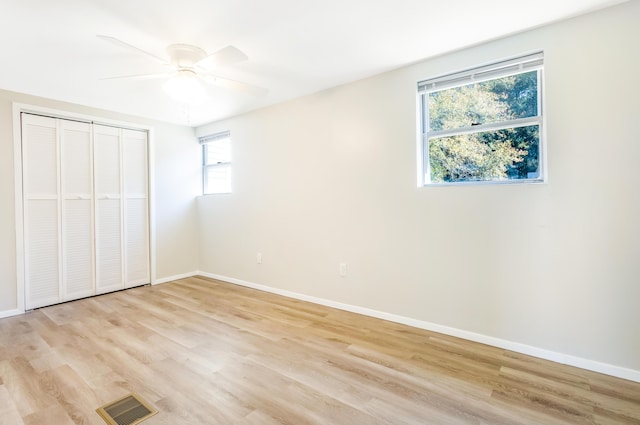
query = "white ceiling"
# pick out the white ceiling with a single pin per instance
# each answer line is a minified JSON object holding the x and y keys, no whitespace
{"x":295,"y":47}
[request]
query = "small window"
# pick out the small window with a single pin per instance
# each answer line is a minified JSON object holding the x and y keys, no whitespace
{"x":483,"y":124}
{"x":216,"y":163}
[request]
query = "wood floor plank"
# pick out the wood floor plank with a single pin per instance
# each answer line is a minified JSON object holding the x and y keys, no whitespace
{"x":25,"y":386}
{"x":73,"y":394}
{"x":55,"y":414}
{"x":9,"y":414}
{"x":208,"y":352}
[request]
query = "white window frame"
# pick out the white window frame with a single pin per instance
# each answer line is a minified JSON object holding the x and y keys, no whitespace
{"x":496,"y":70}
{"x":204,"y":141}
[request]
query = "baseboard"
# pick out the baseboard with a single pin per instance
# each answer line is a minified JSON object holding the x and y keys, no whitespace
{"x":594,"y":366}
{"x":176,"y":277}
{"x":9,"y":313}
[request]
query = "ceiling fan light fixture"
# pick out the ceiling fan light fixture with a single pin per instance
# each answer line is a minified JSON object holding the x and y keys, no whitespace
{"x":185,"y":88}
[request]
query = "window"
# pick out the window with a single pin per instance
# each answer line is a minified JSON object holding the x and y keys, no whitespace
{"x":483,"y":124}
{"x":216,"y":163}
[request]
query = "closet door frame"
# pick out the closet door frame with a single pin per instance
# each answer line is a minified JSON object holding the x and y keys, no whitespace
{"x":18,"y":109}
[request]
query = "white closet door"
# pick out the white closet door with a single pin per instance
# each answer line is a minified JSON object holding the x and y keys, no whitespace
{"x":108,"y":206}
{"x":41,"y":210}
{"x":77,"y":223}
{"x":134,"y":144}
{"x":86,"y":209}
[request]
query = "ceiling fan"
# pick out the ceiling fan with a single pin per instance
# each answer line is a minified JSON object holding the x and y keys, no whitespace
{"x":190,"y":65}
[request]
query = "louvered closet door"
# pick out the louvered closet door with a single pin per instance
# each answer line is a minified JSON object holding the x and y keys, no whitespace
{"x":108,"y":204}
{"x":86,"y":209}
{"x":136,"y":214}
{"x":77,"y":214}
{"x":40,"y":152}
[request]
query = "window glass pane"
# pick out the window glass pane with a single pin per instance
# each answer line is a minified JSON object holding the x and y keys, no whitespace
{"x":510,"y":154}
{"x":218,"y":151}
{"x":218,"y":179}
{"x":501,"y":99}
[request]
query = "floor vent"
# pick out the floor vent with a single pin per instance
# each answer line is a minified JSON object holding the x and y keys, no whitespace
{"x":128,"y":410}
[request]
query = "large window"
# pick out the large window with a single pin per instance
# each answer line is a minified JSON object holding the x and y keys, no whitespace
{"x":483,"y":124}
{"x":216,"y":163}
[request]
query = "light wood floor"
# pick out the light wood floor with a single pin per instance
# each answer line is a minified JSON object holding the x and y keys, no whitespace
{"x":206,"y":352}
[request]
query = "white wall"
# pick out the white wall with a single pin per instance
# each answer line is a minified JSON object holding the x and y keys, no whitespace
{"x":176,"y":156}
{"x":331,"y":178}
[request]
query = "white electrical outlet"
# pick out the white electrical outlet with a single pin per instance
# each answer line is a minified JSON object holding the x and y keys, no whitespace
{"x":343,"y":269}
{"x":259,"y":258}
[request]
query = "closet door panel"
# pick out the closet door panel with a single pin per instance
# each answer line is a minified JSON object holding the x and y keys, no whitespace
{"x":108,"y":246}
{"x":77,"y":222}
{"x":136,"y":208}
{"x":42,"y":274}
{"x":107,"y":160}
{"x":108,"y":213}
{"x":137,"y":257}
{"x":77,"y":243}
{"x":76,"y":159}
{"x":135,"y":162}
{"x":41,"y":210}
{"x":40,"y":150}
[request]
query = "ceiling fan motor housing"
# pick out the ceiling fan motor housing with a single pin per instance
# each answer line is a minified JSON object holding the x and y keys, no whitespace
{"x":185,"y":55}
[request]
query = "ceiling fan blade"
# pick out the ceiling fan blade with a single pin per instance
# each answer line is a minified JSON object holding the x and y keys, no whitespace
{"x":141,"y":76}
{"x":234,"y":85}
{"x":128,"y":46}
{"x":223,"y":57}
